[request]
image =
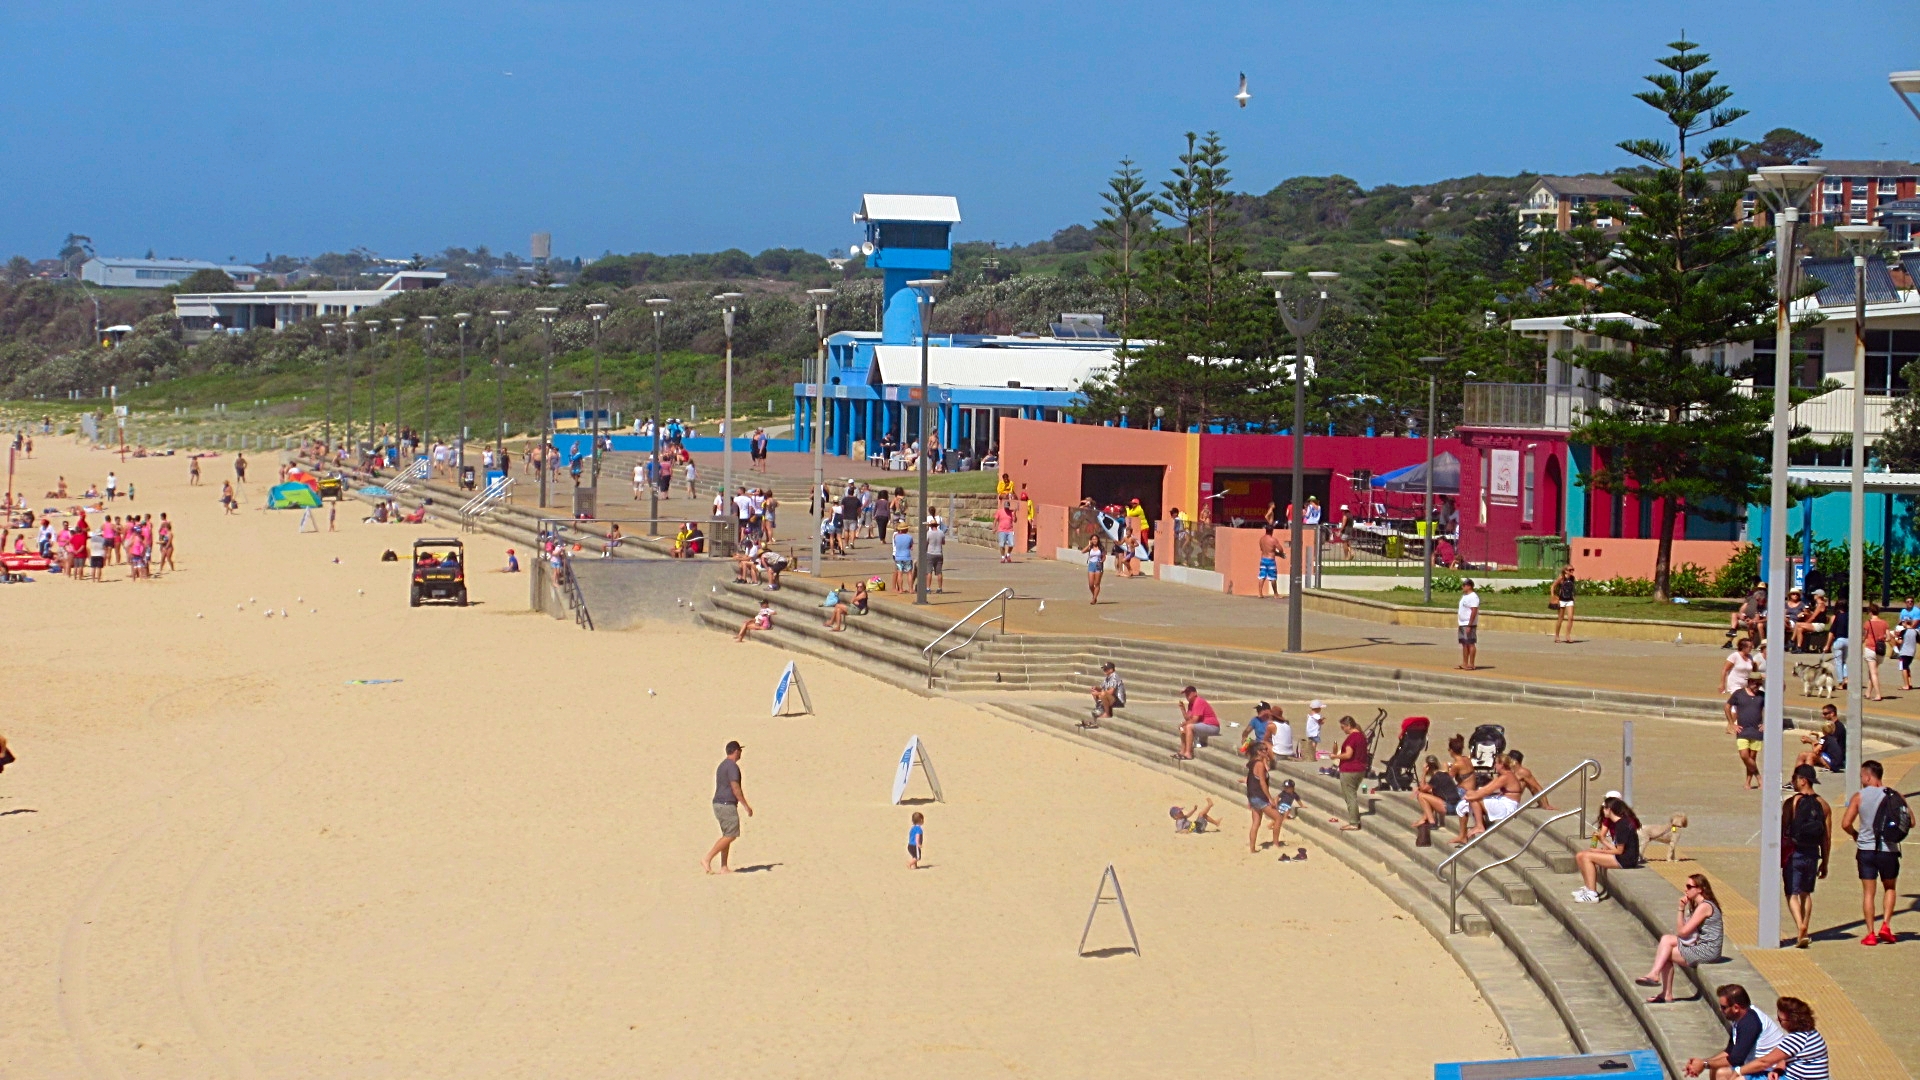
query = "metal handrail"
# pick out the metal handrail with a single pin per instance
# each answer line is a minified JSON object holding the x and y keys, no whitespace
{"x":404,"y":479}
{"x":486,"y":501}
{"x":1449,"y":872}
{"x":933,"y":662}
{"x":576,"y":599}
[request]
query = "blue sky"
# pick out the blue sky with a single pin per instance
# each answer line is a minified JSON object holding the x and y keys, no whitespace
{"x":209,"y":130}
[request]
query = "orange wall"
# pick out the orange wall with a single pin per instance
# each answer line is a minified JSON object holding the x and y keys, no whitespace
{"x":1046,"y":457}
{"x":1597,"y":559}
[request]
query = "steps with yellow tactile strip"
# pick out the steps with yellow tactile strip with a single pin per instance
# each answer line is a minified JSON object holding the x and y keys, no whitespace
{"x":1856,"y":1047}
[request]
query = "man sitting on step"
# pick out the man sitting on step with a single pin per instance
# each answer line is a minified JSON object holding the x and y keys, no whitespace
{"x":1111,"y":694}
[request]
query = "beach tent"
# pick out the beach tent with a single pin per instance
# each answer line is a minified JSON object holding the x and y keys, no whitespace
{"x":301,"y":476}
{"x":1412,"y":480}
{"x":292,"y":496}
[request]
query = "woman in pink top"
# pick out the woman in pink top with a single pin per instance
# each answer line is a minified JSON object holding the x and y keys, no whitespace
{"x":137,"y":555}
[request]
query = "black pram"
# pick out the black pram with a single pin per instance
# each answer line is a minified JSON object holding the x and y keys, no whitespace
{"x":1399,"y":771}
{"x":1489,"y":741}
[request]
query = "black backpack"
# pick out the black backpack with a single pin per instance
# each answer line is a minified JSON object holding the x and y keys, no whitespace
{"x":1892,"y":821}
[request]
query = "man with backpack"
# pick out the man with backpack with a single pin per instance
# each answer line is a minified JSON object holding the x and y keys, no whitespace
{"x":1878,"y":819}
{"x":1806,"y":821}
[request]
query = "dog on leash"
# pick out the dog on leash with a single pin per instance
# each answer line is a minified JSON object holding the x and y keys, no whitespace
{"x":1668,"y":834}
{"x":1817,"y":677}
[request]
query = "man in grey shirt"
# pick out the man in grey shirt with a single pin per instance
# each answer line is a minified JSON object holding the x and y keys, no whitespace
{"x":728,"y":800}
{"x":1878,"y":859}
{"x":936,"y":553}
{"x":1109,"y":695}
{"x":1746,"y":722}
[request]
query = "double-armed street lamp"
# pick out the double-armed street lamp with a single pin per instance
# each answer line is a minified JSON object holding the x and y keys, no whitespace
{"x":326,"y":437}
{"x":926,"y":289}
{"x":599,"y":313}
{"x":460,"y":430}
{"x":729,"y":306}
{"x":547,"y":315}
{"x":399,"y":328}
{"x":352,"y":327}
{"x":500,"y":321}
{"x":1301,"y":319}
{"x":1783,"y":187}
{"x":426,"y":382}
{"x":822,"y":300}
{"x":657,"y":306}
{"x":1426,"y":577}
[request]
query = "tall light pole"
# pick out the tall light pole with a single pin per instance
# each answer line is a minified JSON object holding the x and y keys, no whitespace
{"x":658,"y":307}
{"x":426,"y":383}
{"x":599,"y":313}
{"x":326,"y":438}
{"x":460,"y":430}
{"x":1862,"y":241}
{"x":399,"y":328}
{"x":1426,"y":577}
{"x":500,"y":320}
{"x":926,"y":289}
{"x":1301,"y":321}
{"x":729,"y":305}
{"x":822,"y":300}
{"x":1783,"y":186}
{"x":1907,"y":85}
{"x":352,"y":327}
{"x":373,"y":385}
{"x":546,"y":399}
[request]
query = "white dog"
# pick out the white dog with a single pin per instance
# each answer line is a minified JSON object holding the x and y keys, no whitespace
{"x":1817,"y":677}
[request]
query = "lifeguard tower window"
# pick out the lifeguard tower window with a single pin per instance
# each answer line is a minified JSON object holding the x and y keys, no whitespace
{"x":1117,"y":485}
{"x":903,"y":234}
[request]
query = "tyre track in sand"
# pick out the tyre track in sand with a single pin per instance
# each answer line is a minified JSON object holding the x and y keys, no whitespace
{"x":71,"y":973}
{"x":189,"y":972}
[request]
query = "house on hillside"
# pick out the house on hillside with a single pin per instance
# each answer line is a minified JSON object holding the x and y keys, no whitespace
{"x":158,"y":273}
{"x":204,"y":314}
{"x":1859,"y":192}
{"x":1555,"y":202}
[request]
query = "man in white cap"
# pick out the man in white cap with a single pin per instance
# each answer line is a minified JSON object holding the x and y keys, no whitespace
{"x":1315,"y":710}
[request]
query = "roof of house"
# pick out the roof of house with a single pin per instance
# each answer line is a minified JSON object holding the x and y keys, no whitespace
{"x":1837,"y":167}
{"x":169,"y":264}
{"x":1583,"y":185}
{"x":1031,"y":368}
{"x":923,"y":208}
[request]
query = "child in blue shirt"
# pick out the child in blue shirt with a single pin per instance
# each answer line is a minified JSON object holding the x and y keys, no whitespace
{"x":915,"y":837}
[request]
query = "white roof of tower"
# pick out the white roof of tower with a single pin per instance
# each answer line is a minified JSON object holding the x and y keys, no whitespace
{"x":928,"y":208}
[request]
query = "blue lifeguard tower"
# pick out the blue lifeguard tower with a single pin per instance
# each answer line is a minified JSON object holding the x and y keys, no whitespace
{"x":974,"y":379}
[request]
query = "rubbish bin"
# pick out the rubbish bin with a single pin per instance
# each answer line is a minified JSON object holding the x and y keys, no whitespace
{"x":1555,"y":552}
{"x":1526,"y":551}
{"x":583,"y":503}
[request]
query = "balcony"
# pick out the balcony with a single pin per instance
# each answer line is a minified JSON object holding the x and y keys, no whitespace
{"x":1525,"y":406}
{"x":1535,"y":407}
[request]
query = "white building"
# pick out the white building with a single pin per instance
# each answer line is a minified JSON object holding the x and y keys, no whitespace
{"x":158,"y":273}
{"x":206,"y":313}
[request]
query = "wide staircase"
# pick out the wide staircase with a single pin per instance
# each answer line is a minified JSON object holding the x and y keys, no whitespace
{"x":1559,"y":974}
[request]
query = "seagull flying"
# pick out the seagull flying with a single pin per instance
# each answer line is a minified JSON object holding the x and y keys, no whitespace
{"x":1242,"y":96}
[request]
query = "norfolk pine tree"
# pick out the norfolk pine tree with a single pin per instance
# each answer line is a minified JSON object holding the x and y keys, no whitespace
{"x":1673,"y":427}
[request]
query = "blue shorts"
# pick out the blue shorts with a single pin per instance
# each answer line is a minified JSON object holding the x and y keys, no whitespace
{"x":1006,"y":539}
{"x":904,"y":566}
{"x":1269,"y":570}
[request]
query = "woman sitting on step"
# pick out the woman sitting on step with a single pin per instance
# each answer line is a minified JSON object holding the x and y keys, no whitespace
{"x":1697,"y":938}
{"x":1620,"y":852}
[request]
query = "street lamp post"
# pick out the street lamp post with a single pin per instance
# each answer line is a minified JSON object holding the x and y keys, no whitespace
{"x":1427,"y":529}
{"x":599,"y":312}
{"x":500,"y":320}
{"x":729,"y":305}
{"x":1861,"y":241}
{"x":1907,"y":85}
{"x":546,"y":399}
{"x":373,"y":385}
{"x":658,"y":306}
{"x":1301,"y":321}
{"x":426,"y":383}
{"x":326,"y":437}
{"x":1783,"y":186}
{"x":352,"y":327}
{"x":927,"y":289}
{"x":1159,"y":414}
{"x":822,"y":299}
{"x":399,"y":327}
{"x":460,"y":429}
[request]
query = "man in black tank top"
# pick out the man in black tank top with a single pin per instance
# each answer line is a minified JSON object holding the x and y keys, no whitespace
{"x":1806,"y":821}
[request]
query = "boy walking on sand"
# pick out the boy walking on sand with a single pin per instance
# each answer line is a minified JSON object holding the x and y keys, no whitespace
{"x":916,"y":836}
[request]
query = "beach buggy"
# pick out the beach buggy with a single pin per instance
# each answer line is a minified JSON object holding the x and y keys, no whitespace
{"x":439,"y":570}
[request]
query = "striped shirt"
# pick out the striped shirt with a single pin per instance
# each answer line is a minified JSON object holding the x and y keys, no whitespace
{"x":1806,"y":1055}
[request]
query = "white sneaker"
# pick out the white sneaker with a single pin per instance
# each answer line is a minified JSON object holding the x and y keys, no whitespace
{"x":1585,"y":896}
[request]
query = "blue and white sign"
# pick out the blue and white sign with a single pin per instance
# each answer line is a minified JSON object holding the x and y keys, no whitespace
{"x":915,"y":752}
{"x":790,"y":683}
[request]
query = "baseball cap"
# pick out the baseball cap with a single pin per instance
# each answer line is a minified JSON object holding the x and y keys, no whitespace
{"x":1807,"y":773}
{"x":1108,"y":666}
{"x":1262,"y":707}
{"x":734,"y":748}
{"x":1611,"y":795}
{"x":1316,"y":703}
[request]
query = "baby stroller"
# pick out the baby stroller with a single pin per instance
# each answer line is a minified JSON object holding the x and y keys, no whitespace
{"x":1399,"y":770}
{"x":1488,"y":742}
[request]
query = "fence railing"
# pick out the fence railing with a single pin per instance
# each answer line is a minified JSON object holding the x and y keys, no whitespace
{"x":1525,"y":405}
{"x":1831,"y":413}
